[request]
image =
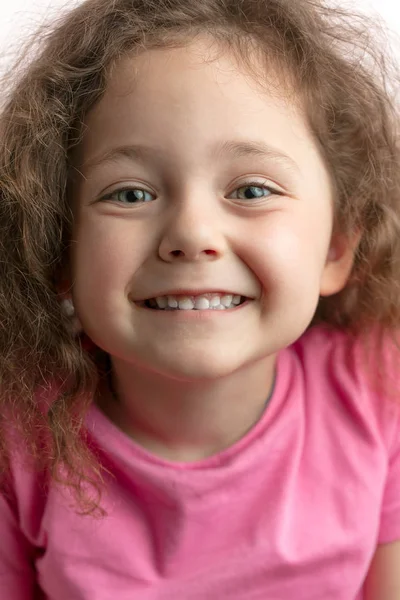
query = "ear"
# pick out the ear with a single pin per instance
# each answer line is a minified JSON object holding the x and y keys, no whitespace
{"x":63,"y":287}
{"x":339,"y":263}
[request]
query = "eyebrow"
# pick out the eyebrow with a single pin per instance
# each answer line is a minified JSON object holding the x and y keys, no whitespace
{"x":234,"y":148}
{"x":240,"y":149}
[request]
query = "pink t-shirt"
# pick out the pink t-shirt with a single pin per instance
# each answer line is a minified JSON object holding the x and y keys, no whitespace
{"x":292,"y":511}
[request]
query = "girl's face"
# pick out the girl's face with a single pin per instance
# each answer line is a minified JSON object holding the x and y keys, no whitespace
{"x":196,"y":183}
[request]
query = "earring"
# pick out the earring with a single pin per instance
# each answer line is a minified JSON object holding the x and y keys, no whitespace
{"x":68,"y":309}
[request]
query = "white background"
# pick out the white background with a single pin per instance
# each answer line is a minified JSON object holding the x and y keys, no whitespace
{"x":18,"y":18}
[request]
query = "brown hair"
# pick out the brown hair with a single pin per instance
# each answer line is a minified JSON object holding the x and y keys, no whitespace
{"x":336,"y":68}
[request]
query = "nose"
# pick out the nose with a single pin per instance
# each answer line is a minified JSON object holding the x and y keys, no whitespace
{"x":192,"y":233}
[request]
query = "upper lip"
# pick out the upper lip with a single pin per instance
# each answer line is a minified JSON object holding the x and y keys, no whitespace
{"x":192,"y":292}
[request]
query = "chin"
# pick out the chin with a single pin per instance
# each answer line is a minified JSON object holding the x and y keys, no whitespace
{"x":195,"y":368}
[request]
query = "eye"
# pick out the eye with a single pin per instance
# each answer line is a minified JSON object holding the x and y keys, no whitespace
{"x":130,"y":196}
{"x":254,"y":191}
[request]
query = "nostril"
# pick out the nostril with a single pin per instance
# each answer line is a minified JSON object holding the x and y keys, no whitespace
{"x":208,"y":252}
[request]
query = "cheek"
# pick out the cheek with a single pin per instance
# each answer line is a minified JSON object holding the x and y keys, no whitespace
{"x":288,"y":250}
{"x":105,"y":257}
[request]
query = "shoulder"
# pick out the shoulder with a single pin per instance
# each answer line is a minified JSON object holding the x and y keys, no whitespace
{"x":357,"y":374}
{"x":371,"y":357}
{"x":350,"y":391}
{"x":26,"y":480}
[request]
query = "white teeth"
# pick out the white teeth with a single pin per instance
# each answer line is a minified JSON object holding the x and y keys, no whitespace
{"x":162,"y":302}
{"x":215,"y":301}
{"x":172,"y":303}
{"x":185,"y":304}
{"x":227,"y":300}
{"x":201,"y":303}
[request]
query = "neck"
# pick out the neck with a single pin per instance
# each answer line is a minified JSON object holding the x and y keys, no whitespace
{"x":186,"y":421}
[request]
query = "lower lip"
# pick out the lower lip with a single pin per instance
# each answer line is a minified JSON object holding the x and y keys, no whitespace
{"x":194,"y":314}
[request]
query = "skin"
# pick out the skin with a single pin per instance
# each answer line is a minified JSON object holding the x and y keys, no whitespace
{"x":383,"y":581}
{"x":190,"y":117}
{"x":179,"y":374}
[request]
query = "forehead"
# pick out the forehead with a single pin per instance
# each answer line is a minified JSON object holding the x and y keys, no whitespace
{"x":199,"y":72}
{"x":191,"y":99}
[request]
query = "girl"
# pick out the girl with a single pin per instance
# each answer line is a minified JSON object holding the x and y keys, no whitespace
{"x":199,"y":305}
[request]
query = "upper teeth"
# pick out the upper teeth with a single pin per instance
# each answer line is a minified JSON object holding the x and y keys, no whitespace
{"x":203,"y":302}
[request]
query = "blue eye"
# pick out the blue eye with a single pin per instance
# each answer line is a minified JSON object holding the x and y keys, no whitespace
{"x":254,"y":192}
{"x":130,"y":196}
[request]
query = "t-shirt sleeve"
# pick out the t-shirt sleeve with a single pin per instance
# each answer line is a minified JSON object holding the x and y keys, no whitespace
{"x":17,"y":574}
{"x":390,"y":513}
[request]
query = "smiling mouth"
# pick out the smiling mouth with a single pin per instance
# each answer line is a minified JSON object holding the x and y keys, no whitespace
{"x":210,"y":301}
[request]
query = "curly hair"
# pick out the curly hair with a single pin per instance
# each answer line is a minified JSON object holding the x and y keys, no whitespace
{"x":334,"y":65}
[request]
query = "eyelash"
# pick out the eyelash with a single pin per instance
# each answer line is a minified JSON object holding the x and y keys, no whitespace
{"x":255,"y":184}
